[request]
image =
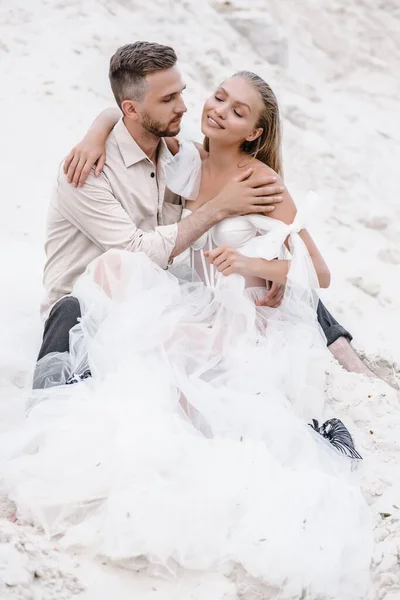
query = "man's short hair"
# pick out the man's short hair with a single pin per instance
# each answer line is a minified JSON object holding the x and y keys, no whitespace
{"x":130,"y":65}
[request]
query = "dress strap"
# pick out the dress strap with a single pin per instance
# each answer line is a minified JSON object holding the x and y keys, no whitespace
{"x":205,"y":270}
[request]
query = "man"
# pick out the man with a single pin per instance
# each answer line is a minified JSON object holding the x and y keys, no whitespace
{"x":127,"y":206}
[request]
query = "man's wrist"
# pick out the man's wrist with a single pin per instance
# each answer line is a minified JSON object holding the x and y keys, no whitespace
{"x":218,"y":212}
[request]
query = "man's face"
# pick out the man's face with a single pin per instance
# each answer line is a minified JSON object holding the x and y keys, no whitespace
{"x":162,"y":108}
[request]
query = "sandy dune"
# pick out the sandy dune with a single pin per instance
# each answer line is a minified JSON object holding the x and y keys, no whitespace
{"x":334,"y":66}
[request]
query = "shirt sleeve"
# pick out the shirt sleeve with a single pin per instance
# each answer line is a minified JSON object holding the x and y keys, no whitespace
{"x":96,"y":212}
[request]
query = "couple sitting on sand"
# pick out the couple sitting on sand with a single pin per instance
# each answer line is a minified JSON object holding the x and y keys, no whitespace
{"x":186,"y":439}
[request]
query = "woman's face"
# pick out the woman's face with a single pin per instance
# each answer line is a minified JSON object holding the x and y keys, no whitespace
{"x":230,"y":115}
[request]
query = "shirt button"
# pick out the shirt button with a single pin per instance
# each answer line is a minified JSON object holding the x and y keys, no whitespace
{"x":152,"y":174}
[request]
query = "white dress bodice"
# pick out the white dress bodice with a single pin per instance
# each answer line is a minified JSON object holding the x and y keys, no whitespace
{"x":255,"y":235}
{"x":234,"y":232}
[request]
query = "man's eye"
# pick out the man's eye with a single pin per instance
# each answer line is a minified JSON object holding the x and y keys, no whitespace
{"x":166,"y":100}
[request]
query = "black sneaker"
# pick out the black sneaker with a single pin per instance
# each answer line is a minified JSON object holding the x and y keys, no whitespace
{"x":337,"y":435}
{"x":76,"y":378}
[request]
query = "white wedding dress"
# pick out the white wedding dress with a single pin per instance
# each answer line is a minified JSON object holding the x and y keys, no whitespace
{"x":190,"y":445}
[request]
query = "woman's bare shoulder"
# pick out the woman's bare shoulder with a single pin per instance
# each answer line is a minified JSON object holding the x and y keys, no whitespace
{"x":285,"y":208}
{"x":262,"y":168}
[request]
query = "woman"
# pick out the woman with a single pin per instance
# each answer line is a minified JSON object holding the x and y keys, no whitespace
{"x":190,"y":446}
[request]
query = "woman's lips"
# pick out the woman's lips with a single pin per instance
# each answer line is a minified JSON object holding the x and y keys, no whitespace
{"x":213,"y":123}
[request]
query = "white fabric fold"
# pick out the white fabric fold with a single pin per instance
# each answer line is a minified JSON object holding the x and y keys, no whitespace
{"x":271,"y":244}
{"x":189,"y":448}
{"x":183,"y":172}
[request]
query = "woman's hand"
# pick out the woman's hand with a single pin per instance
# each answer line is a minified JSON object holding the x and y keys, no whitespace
{"x":274,"y":297}
{"x":227,"y":261}
{"x":92,"y":149}
{"x":89,"y":152}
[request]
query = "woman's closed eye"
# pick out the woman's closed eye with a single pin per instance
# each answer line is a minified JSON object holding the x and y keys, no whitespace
{"x":219,"y":99}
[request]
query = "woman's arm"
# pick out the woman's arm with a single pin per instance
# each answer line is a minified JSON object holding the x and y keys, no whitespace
{"x":173,"y":147}
{"x":277,"y":270}
{"x":228,"y":260}
{"x":91,"y":150}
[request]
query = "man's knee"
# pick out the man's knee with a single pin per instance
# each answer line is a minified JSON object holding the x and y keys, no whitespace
{"x":67,"y":310}
{"x":62,"y":318}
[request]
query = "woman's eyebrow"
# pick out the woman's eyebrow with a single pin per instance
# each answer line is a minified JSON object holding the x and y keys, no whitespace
{"x":236,"y":101}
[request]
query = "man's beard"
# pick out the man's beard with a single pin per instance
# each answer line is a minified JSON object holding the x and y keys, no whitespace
{"x":157,"y":128}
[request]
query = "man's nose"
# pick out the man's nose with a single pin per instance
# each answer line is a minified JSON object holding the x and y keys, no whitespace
{"x":181,"y":107}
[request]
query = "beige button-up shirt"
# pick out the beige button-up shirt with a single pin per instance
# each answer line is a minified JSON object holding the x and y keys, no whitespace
{"x":126,"y":207}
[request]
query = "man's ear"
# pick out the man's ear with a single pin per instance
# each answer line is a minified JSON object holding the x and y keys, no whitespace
{"x":130,"y":109}
{"x":254,"y":134}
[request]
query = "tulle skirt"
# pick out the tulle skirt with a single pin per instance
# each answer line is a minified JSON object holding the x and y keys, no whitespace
{"x":190,"y":446}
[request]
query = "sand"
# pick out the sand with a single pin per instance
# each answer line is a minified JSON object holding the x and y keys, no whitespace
{"x":334,"y":66}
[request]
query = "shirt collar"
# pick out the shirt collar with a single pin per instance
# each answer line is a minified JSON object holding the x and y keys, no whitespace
{"x":131,"y":151}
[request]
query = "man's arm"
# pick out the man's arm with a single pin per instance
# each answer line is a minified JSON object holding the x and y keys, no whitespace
{"x":247,"y":194}
{"x":94,"y":210}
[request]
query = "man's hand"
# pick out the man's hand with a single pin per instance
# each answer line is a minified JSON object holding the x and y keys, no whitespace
{"x":249,"y":193}
{"x":274,"y":297}
{"x":89,"y":152}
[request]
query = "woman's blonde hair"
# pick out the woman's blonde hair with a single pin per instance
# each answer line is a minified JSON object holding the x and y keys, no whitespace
{"x":267,"y":147}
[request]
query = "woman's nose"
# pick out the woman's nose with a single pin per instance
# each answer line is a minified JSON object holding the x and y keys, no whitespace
{"x":220,"y":110}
